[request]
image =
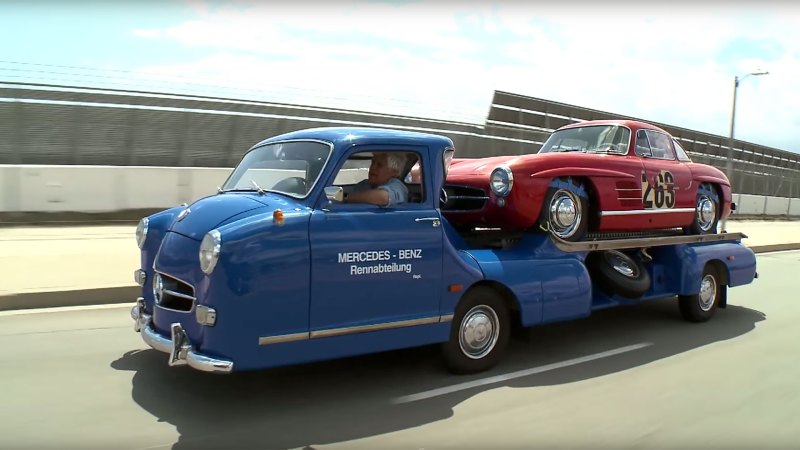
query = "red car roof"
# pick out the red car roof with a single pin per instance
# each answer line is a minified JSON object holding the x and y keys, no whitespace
{"x":632,"y":124}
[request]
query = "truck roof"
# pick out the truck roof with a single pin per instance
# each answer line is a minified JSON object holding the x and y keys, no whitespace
{"x":365,"y":136}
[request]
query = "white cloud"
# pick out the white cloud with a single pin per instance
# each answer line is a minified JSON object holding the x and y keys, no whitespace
{"x":671,"y":63}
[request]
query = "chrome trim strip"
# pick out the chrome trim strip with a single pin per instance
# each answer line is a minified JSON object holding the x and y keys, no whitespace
{"x":178,"y":294}
{"x":155,"y":269}
{"x":647,"y":211}
{"x":466,"y":197}
{"x":373,"y":327}
{"x":283,"y":338}
{"x":619,"y":244}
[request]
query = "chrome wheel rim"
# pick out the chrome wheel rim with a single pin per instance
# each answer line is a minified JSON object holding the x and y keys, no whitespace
{"x":708,"y":292}
{"x":479,"y":332}
{"x":706,"y":212}
{"x":565,"y":214}
{"x":621,"y":263}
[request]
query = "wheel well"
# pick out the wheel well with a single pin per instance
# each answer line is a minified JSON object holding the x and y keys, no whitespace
{"x":714,"y":187}
{"x":592,"y":200}
{"x":509,"y":299}
{"x":724,"y":278}
{"x":720,"y":269}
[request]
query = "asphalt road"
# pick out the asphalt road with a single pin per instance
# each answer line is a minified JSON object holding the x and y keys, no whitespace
{"x":82,"y":379}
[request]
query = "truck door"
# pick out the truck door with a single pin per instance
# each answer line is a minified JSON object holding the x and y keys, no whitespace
{"x":666,"y":182}
{"x":375,"y":267}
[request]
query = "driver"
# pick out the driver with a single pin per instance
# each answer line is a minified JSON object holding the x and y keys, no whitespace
{"x":383,"y":186}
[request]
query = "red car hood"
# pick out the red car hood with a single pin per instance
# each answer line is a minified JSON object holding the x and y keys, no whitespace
{"x":478,"y":166}
{"x":527,"y":163}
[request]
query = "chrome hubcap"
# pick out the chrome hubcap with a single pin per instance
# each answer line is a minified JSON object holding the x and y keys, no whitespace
{"x":706,"y":212}
{"x":565,"y":214}
{"x":708,"y":292}
{"x":479,"y":332}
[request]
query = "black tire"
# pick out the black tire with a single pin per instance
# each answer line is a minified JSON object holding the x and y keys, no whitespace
{"x":701,"y":306}
{"x":616,"y":273}
{"x":471,"y":349}
{"x":707,"y":211}
{"x":568,"y":197}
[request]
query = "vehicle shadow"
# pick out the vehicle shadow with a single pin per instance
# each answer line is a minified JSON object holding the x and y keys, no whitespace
{"x":352,"y":398}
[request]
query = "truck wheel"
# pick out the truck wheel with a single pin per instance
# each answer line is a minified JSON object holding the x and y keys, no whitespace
{"x":701,"y":306}
{"x":617,"y":273}
{"x":565,"y":211}
{"x":479,"y":332}
{"x":707,"y":211}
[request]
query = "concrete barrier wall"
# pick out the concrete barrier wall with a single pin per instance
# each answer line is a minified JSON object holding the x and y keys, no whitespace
{"x":95,"y":189}
{"x":41,"y":188}
{"x":750,"y":204}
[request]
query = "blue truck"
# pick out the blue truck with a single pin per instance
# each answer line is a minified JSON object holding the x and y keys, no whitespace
{"x":276,"y":269}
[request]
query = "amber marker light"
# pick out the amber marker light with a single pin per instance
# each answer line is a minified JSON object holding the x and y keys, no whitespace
{"x":277,"y":217}
{"x":455,"y":287}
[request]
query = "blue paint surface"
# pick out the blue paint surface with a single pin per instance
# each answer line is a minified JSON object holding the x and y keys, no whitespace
{"x":343,"y":268}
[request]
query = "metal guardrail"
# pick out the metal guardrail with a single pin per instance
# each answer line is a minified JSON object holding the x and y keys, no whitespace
{"x":63,"y":125}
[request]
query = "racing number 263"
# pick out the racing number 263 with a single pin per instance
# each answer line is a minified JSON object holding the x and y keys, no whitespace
{"x":661,"y":193}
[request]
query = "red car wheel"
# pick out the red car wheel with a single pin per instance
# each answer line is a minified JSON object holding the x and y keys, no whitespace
{"x":565,"y":212}
{"x":707,"y":211}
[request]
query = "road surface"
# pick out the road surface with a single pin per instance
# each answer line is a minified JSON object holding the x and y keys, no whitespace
{"x":626,"y":377}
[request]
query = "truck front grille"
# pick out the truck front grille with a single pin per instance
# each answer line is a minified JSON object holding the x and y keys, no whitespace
{"x":172,"y":293}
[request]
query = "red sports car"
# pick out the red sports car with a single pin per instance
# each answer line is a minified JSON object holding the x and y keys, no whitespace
{"x":596,"y":176}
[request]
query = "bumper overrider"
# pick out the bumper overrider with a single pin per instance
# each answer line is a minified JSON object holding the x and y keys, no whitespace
{"x":179,"y":347}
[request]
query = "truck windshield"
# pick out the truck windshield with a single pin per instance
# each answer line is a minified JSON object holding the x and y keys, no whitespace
{"x":290,"y":168}
{"x":589,"y":139}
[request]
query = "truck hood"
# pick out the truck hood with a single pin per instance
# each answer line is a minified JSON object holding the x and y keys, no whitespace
{"x":210,"y":212}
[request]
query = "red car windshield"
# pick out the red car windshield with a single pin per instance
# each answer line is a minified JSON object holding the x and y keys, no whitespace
{"x":589,"y":139}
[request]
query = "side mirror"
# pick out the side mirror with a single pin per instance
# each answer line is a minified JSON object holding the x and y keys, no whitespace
{"x":334,"y":193}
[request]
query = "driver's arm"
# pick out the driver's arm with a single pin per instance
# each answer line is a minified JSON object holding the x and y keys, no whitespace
{"x":378,"y":197}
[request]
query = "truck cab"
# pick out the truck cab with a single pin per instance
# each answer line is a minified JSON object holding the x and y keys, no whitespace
{"x":277,"y":269}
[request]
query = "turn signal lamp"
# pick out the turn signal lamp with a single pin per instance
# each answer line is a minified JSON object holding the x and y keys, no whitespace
{"x":277,"y":217}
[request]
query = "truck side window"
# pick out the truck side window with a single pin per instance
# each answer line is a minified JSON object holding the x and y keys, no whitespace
{"x":355,"y":170}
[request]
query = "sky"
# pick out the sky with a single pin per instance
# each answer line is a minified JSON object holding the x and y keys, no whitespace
{"x":669,"y":62}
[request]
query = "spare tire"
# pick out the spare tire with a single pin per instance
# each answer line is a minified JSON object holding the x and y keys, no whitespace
{"x":617,"y":273}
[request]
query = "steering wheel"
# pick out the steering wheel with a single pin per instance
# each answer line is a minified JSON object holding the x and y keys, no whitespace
{"x":291,"y":185}
{"x":442,"y":198}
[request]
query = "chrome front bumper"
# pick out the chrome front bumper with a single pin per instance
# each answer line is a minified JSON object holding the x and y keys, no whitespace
{"x":179,"y":347}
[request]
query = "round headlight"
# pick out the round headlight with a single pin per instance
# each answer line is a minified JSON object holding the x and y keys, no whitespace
{"x":141,"y":232}
{"x":209,"y":251}
{"x":501,"y":181}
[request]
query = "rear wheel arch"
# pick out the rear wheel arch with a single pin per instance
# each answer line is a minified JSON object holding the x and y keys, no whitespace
{"x":509,"y":298}
{"x":721,"y":270}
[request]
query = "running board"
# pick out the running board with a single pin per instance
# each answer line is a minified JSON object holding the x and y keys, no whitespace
{"x":618,"y":244}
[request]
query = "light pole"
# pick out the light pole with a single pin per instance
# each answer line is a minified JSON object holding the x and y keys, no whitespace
{"x":729,"y":163}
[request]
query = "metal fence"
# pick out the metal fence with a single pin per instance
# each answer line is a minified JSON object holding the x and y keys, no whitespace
{"x":62,"y":125}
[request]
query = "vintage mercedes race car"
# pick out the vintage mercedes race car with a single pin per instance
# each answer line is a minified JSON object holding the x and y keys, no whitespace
{"x":595,"y":176}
